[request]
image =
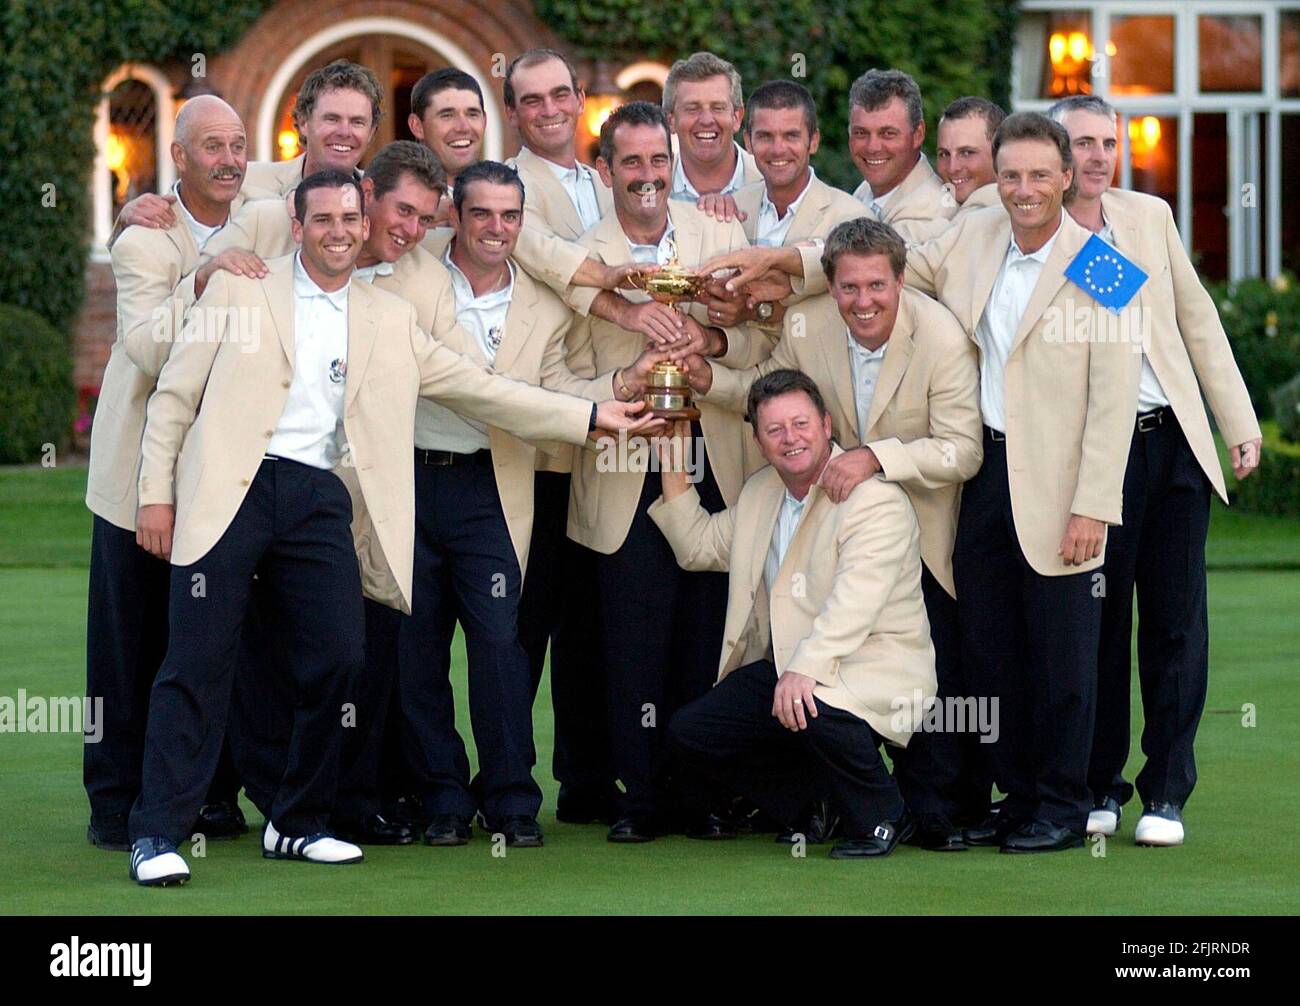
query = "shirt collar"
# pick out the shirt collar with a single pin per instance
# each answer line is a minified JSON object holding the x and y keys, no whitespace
{"x":380,"y":268}
{"x":861,"y":351}
{"x":576,"y":173}
{"x":767,"y":206}
{"x":465,"y":289}
{"x":1014,"y":254}
{"x":669,"y":232}
{"x":682,"y":184}
{"x":304,"y":286}
{"x":195,"y":226}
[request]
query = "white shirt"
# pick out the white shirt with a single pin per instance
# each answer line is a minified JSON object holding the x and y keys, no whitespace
{"x":787,"y":522}
{"x":438,"y":428}
{"x":657,"y":253}
{"x":864,"y":366}
{"x":1150,"y":393}
{"x":772,"y":230}
{"x":200,"y":232}
{"x":683,"y":189}
{"x":579,"y":183}
{"x":308,"y":430}
{"x":1001,"y":318}
{"x":369,"y":272}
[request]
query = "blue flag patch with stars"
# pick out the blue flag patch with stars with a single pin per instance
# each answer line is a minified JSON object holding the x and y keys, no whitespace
{"x":1100,"y":271}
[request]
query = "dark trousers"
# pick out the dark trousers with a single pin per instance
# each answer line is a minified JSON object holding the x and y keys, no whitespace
{"x":559,"y":607}
{"x":1160,"y":549}
{"x":466,"y":568}
{"x":126,"y":640}
{"x":293,"y":529}
{"x":944,"y":773}
{"x":1030,"y":642}
{"x":729,"y":741}
{"x":661,"y":636}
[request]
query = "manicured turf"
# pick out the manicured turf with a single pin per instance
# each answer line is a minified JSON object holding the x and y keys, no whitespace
{"x":1240,"y":856}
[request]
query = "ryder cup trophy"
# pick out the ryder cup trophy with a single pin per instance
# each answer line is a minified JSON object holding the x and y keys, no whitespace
{"x":667,"y":393}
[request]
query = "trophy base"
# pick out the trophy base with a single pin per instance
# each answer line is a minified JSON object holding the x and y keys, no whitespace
{"x":687,"y":412}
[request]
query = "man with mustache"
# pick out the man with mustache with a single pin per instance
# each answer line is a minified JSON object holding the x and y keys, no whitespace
{"x":126,"y":631}
{"x":1172,"y":469}
{"x":236,"y":477}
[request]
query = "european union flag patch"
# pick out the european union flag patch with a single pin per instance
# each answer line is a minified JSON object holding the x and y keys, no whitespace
{"x":1105,"y":275}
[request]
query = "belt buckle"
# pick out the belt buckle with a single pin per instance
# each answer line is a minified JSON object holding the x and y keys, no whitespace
{"x":1151,"y":420}
{"x":996,"y":437}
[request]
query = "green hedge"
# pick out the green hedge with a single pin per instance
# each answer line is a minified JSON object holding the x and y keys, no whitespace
{"x":1274,"y":487}
{"x":37,"y":402}
{"x":54,"y":57}
{"x":951,"y":47}
{"x":1286,"y":408}
{"x":1262,"y":319}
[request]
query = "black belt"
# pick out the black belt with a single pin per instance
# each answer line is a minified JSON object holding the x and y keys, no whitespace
{"x":1148,"y":421}
{"x":442,"y":459}
{"x":997,"y":436}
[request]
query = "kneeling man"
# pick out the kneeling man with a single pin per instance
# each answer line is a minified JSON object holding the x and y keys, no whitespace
{"x":826,"y":642}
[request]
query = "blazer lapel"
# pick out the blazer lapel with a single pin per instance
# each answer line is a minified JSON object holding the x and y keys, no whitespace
{"x":554,"y":190}
{"x":808,"y":216}
{"x":1051,"y":279}
{"x":361,"y":337}
{"x":898,"y":351}
{"x":987,"y":266}
{"x":835,"y":347}
{"x":278,"y":291}
{"x":689,"y":238}
{"x":521,"y":318}
{"x":761,"y":540}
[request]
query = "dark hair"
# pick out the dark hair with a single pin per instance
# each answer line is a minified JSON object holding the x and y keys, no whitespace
{"x":330,"y":179}
{"x":781,"y":382}
{"x":1035,"y":126}
{"x":876,"y":88}
{"x":486,"y":171}
{"x":341,"y":75}
{"x":446,"y":79}
{"x":970,"y":106}
{"x":535,"y":57}
{"x":1082,"y":103}
{"x":405,"y":157}
{"x":782,"y":94}
{"x":863,"y":236}
{"x":634,"y":113}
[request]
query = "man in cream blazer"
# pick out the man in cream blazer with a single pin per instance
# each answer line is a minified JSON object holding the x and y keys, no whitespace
{"x":126,"y":629}
{"x":562,"y":198}
{"x":1057,"y":414}
{"x":242,"y":432}
{"x":658,"y":651}
{"x":901,"y":384}
{"x":826,"y":650}
{"x":1172,"y":470}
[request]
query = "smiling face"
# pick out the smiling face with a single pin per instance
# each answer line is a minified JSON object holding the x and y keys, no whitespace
{"x":867,"y":293}
{"x":705,"y":120}
{"x":1095,"y":147}
{"x":1032,"y":183}
{"x":400,"y":218}
{"x":452,"y":127}
{"x":779,"y":141}
{"x":793,"y":437}
{"x":964,"y":155}
{"x":488,"y":224}
{"x":338,"y":131}
{"x":639,"y":174}
{"x":332,"y":231}
{"x":212,"y":161}
{"x":883,"y":144}
{"x":547,"y":109}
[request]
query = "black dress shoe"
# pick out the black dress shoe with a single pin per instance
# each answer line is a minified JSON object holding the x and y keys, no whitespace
{"x":447,"y":829}
{"x":631,"y":829}
{"x":108,"y":833}
{"x":1042,"y":836}
{"x":937,"y":834}
{"x":881,"y":842}
{"x":520,"y":830}
{"x":373,"y":830}
{"x":407,"y":809}
{"x":819,"y":825}
{"x":993,"y":830}
{"x":575,"y":806}
{"x":711,"y":828}
{"x":219,"y":821}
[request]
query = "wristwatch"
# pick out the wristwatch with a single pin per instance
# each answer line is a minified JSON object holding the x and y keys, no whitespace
{"x":764,"y":310}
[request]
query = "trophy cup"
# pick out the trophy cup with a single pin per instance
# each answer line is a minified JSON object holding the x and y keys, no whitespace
{"x":668,"y":393}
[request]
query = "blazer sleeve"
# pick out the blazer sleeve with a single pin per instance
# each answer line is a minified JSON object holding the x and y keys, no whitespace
{"x":552,"y":260}
{"x":573,"y":342}
{"x":522,"y":410}
{"x":730,"y":388}
{"x":1207,"y":345}
{"x":144,"y":303}
{"x":175,"y":401}
{"x":954,"y":450}
{"x":873,"y":539}
{"x":701,"y":541}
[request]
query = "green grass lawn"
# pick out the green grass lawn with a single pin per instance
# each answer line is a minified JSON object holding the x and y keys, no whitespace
{"x":1240,"y":856}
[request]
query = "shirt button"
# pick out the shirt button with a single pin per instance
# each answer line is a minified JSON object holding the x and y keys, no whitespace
{"x":243,"y":482}
{"x":285,"y":384}
{"x":269,"y":434}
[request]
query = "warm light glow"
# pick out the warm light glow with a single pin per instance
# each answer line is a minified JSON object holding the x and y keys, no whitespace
{"x":1056,"y":48}
{"x":115,"y":153}
{"x":1111,"y":49}
{"x":599,"y":108}
{"x":287,"y":141}
{"x":1080,"y":47}
{"x":1144,"y":135}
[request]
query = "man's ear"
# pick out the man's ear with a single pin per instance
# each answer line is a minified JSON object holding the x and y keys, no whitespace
{"x":602,"y":167}
{"x":288,"y":205}
{"x":416,"y":125}
{"x":828,"y":427}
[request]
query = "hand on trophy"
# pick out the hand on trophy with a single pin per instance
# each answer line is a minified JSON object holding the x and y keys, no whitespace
{"x":725,"y":307}
{"x":632,"y":381}
{"x":632,"y":417}
{"x":751,"y":264}
{"x":660,"y":323}
{"x":699,"y":373}
{"x":773,"y":285}
{"x":628,"y":277}
{"x":697,"y":340}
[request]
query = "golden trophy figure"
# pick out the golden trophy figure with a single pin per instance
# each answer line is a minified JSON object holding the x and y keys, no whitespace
{"x":668,"y":394}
